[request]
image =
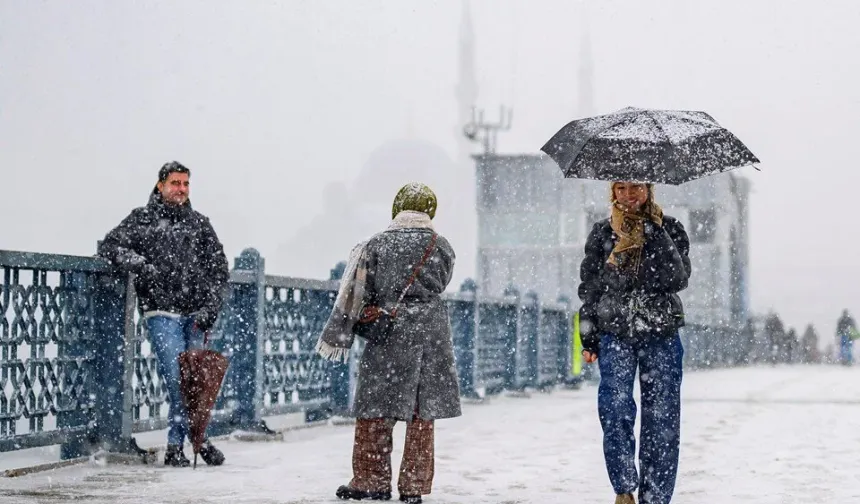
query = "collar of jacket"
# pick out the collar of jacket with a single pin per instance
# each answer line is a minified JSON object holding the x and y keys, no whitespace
{"x":409,"y":219}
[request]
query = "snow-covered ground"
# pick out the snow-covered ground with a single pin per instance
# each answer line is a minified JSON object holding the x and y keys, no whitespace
{"x":761,"y":435}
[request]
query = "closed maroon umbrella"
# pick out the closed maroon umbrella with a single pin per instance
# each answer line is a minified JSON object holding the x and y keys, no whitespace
{"x":201,"y":372}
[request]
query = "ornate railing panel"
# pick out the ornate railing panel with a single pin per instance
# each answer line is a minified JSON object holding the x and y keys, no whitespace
{"x":496,"y":346}
{"x":295,"y":377}
{"x":553,"y":346}
{"x":47,"y":342}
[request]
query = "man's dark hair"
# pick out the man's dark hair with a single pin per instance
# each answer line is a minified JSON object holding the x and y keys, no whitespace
{"x":172,"y":167}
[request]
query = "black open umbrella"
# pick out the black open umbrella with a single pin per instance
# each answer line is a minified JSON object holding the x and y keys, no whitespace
{"x":643,"y":145}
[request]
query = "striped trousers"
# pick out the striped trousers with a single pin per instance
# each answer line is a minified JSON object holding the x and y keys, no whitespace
{"x":371,"y":456}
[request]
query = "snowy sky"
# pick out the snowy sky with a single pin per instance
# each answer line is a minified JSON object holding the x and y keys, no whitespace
{"x":271,"y":102}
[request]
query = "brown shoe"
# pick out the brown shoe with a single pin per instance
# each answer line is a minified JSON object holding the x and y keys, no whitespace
{"x":625,"y":499}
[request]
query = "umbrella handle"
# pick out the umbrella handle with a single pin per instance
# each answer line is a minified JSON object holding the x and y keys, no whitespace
{"x":205,"y":335}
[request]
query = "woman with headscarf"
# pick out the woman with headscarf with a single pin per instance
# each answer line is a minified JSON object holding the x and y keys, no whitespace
{"x":412,"y":375}
{"x":636,"y":262}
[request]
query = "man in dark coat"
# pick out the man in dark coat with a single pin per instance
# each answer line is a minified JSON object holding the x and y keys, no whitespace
{"x":181,"y":276}
{"x":635,"y":264}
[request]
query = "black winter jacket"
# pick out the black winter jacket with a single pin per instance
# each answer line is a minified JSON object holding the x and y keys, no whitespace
{"x":179,"y":262}
{"x":634,"y":306}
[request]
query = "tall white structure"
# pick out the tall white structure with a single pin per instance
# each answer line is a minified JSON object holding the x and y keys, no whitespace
{"x":466,"y":90}
{"x":466,"y":94}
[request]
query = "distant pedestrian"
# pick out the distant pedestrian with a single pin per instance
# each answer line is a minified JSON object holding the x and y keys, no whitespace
{"x":846,"y":329}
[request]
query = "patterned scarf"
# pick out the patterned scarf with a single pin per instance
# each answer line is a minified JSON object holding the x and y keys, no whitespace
{"x":337,"y":336}
{"x":630,"y":229}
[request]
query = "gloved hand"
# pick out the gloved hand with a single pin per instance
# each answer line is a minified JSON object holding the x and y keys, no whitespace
{"x":615,"y":279}
{"x":134,"y":262}
{"x":204,"y":320}
{"x":590,"y":336}
{"x":149,"y":270}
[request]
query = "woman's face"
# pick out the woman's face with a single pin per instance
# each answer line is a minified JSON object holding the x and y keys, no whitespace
{"x":630,"y":195}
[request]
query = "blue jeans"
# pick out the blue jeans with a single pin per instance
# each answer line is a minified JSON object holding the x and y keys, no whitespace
{"x":170,"y":336}
{"x":846,"y":350}
{"x":660,"y":362}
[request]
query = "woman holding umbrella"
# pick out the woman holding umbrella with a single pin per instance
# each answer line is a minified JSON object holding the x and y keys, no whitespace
{"x":635,"y":263}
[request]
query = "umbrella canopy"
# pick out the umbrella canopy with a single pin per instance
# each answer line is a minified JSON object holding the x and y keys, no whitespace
{"x":644,"y":145}
{"x":201,"y":372}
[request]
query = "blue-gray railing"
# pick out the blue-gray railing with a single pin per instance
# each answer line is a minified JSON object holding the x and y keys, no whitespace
{"x":77,"y":369}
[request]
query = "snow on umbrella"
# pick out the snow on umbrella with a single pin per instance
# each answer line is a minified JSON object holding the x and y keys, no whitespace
{"x":644,"y":145}
{"x":201,"y":372}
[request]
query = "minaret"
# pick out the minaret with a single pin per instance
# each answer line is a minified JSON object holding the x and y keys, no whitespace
{"x":464,"y":204}
{"x":467,"y":86}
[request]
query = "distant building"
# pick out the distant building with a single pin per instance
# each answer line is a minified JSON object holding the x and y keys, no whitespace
{"x":533,"y":223}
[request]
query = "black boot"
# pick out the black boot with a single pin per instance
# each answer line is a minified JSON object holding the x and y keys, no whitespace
{"x":345,"y":492}
{"x":410,"y":499}
{"x":211,"y":455}
{"x":174,"y":457}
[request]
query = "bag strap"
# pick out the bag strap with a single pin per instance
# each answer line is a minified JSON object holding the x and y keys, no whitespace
{"x":415,"y":272}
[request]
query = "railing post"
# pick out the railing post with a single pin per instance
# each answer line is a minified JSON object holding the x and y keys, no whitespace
{"x":341,"y":383}
{"x":527,"y":345}
{"x":464,"y":324}
{"x":512,"y":328}
{"x":113,"y":310}
{"x":248,"y":323}
{"x":565,"y":343}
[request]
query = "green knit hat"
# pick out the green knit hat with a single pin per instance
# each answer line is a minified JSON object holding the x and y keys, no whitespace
{"x":416,"y":197}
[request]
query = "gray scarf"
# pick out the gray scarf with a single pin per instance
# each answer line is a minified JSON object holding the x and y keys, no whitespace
{"x":337,"y":336}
